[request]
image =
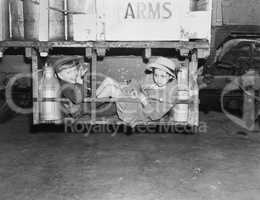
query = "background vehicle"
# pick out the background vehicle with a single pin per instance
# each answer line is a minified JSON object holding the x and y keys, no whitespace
{"x":234,"y":54}
{"x":234,"y":50}
{"x":236,"y":58}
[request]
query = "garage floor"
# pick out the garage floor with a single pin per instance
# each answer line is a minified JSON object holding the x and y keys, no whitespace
{"x":219,"y":164}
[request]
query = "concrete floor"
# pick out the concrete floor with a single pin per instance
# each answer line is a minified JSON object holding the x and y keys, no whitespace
{"x":219,"y":164}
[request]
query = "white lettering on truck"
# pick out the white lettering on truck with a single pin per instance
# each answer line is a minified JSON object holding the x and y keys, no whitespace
{"x":148,"y":10}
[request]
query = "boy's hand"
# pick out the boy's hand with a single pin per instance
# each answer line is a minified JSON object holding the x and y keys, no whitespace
{"x":134,"y":94}
{"x":143,"y":99}
{"x":139,"y":96}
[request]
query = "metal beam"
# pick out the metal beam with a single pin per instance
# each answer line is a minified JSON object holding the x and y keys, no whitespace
{"x":110,"y":44}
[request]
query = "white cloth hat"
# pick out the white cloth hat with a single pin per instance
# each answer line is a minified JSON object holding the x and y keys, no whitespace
{"x":164,"y":64}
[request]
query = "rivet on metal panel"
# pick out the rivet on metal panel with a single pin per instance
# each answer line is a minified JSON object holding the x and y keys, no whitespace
{"x":44,"y":51}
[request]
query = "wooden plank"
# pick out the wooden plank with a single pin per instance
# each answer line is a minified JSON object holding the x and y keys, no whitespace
{"x":93,"y":84}
{"x":66,"y":21}
{"x":31,"y":19}
{"x":155,"y":44}
{"x":101,"y":19}
{"x":194,"y":90}
{"x":89,"y":100}
{"x":181,"y":111}
{"x":130,"y":100}
{"x":4,"y":18}
{"x":249,"y":112}
{"x":17,"y":19}
{"x":44,"y":21}
{"x":46,"y":44}
{"x":83,"y":25}
{"x":144,"y":44}
{"x":35,"y":82}
{"x":249,"y":83}
{"x":56,"y":20}
{"x":84,"y":89}
{"x":217,"y":18}
{"x":107,"y":122}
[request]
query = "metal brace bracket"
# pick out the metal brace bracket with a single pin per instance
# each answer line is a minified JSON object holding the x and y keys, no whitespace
{"x":184,"y":52}
{"x":101,"y":52}
{"x":147,"y":53}
{"x":44,"y":51}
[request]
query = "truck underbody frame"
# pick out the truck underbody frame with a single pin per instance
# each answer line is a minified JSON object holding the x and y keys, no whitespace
{"x":191,"y":50}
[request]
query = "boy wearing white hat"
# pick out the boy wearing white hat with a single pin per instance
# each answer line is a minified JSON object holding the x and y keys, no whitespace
{"x":156,"y":92}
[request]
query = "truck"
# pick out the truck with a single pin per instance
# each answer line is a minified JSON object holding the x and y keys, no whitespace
{"x":116,"y":38}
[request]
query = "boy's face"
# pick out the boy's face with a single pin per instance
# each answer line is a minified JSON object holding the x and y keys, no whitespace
{"x":73,"y":75}
{"x":161,"y":78}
